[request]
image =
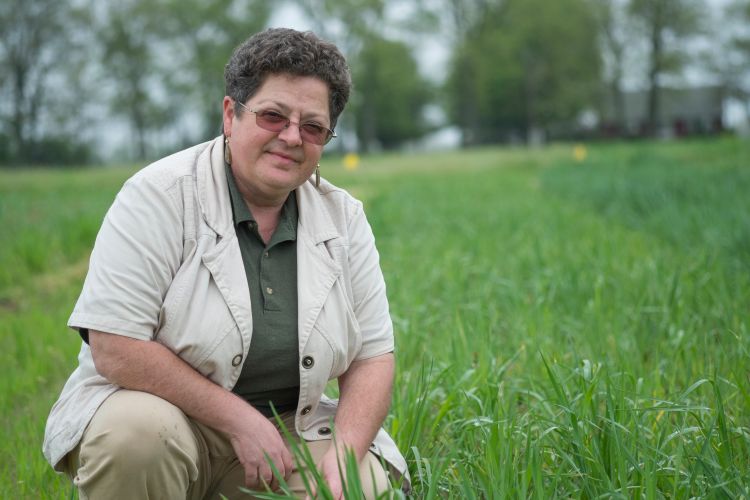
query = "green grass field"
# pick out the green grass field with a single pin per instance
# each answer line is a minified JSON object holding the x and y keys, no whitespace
{"x":565,"y":329}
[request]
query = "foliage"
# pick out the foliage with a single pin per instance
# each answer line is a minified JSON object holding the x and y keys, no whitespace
{"x":30,"y":48}
{"x":346,"y":23}
{"x":729,"y":57}
{"x":564,"y":328}
{"x":389,"y":95}
{"x":525,"y":65}
{"x":83,"y":71}
{"x":615,"y":42}
{"x":201,"y":35}
{"x":59,"y":151}
{"x":125,"y":33}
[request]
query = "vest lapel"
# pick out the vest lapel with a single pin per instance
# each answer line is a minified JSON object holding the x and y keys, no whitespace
{"x":316,"y":269}
{"x":225,"y":264}
{"x":224,"y":261}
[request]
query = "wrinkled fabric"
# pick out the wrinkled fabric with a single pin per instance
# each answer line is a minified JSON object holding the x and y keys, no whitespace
{"x":139,"y":446}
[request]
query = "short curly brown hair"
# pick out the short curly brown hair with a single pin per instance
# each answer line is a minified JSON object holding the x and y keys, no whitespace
{"x":283,"y":50}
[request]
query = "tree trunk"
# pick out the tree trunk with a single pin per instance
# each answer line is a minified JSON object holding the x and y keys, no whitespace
{"x":18,"y":137}
{"x":529,"y":94}
{"x":618,"y":99}
{"x":655,"y":68}
{"x":369,"y":125}
{"x":470,"y":124}
{"x":139,"y":126}
{"x":618,"y":96}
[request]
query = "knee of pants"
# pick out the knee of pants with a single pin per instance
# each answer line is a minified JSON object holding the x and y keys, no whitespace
{"x":138,"y":431}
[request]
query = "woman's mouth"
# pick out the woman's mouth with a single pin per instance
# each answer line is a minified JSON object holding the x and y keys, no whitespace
{"x":285,"y":158}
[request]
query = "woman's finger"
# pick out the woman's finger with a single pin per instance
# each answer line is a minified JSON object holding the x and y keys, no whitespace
{"x":313,"y":493}
{"x":288,"y":461}
{"x":251,"y":476}
{"x":273,"y":484}
{"x":265,"y":474}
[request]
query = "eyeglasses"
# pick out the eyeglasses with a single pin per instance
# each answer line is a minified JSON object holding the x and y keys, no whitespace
{"x":274,"y":121}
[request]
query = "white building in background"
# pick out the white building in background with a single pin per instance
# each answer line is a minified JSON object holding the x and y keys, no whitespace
{"x":682,"y":111}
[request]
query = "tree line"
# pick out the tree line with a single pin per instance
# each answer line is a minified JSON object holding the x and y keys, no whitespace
{"x":76,"y":73}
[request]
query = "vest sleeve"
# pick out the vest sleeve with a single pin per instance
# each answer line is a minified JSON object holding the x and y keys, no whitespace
{"x":137,"y":252}
{"x":368,"y":289}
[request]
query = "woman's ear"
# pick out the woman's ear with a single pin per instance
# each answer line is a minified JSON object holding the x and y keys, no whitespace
{"x":228,"y":115}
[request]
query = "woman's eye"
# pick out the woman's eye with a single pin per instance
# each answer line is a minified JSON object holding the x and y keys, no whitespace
{"x":273,"y":115}
{"x":313,"y":127}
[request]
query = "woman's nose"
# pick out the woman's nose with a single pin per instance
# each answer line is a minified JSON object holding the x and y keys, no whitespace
{"x":291,"y":134}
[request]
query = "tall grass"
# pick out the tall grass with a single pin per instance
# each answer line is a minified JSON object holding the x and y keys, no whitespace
{"x":564,"y":329}
{"x":578,"y":343}
{"x":50,"y":218}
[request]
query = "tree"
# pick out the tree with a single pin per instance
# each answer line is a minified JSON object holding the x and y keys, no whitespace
{"x":126,"y":51}
{"x":163,"y":61}
{"x":741,"y":44}
{"x":30,"y":44}
{"x":463,"y":18}
{"x":345,"y":22}
{"x":614,"y":37}
{"x":201,"y":35}
{"x":667,"y":24}
{"x":526,"y":66}
{"x":729,"y":57}
{"x":390,"y":95}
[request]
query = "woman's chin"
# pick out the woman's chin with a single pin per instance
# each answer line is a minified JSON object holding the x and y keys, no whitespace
{"x":283,"y":182}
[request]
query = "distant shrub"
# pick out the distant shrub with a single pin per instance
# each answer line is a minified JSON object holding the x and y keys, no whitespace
{"x":49,"y":151}
{"x":60,"y":151}
{"x":4,"y":149}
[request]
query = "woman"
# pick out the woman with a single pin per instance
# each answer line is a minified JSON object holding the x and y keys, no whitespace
{"x":229,"y":280}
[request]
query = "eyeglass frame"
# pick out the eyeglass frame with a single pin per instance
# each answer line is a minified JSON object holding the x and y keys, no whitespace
{"x":331,"y":133}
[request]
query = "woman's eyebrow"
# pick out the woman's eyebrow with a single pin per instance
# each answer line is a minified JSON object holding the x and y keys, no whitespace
{"x":306,"y":115}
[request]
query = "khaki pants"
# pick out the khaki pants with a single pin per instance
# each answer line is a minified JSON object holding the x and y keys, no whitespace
{"x":140,"y":446}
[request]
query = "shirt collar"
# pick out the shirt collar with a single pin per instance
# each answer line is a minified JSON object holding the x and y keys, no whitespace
{"x":240,"y":212}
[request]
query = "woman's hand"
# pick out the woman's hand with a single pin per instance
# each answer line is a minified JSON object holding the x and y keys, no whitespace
{"x":365,"y":395}
{"x":256,"y":438}
{"x":329,"y":470}
{"x":153,"y":368}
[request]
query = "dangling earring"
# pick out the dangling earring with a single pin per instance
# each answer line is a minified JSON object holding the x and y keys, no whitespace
{"x":317,"y":175}
{"x":227,"y":152}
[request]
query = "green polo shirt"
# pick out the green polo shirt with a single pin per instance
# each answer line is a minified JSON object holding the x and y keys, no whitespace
{"x":270,"y":373}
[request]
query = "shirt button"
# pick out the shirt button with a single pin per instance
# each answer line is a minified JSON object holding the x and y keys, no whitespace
{"x":269,"y":290}
{"x":306,"y":410}
{"x":237,"y":360}
{"x":324,"y":431}
{"x":308,"y":362}
{"x":265,"y":254}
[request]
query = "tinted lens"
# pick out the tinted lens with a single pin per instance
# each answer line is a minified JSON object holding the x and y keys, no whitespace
{"x":275,"y":122}
{"x":314,"y":133}
{"x":271,"y":120}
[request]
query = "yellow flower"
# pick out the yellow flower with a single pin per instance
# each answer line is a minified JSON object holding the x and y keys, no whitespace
{"x":351,"y":161}
{"x":580,"y":152}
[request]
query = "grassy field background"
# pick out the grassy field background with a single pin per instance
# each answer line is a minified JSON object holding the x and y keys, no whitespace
{"x":565,"y":328}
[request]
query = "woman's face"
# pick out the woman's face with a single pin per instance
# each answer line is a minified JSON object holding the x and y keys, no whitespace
{"x":269,"y":165}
